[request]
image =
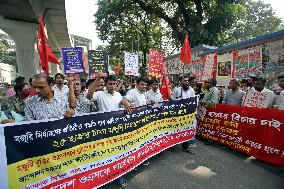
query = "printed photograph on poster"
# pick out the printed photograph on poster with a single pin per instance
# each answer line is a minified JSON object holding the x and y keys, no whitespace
{"x":224,"y":68}
{"x":73,"y":60}
{"x":98,"y":62}
{"x":198,"y":63}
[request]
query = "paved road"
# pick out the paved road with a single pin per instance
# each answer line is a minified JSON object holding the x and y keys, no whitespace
{"x":212,"y":167}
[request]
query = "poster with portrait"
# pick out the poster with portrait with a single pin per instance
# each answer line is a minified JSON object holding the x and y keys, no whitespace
{"x":224,"y":69}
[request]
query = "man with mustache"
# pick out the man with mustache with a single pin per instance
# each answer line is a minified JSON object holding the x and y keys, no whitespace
{"x":46,"y":104}
{"x":77,"y":98}
{"x":184,"y":90}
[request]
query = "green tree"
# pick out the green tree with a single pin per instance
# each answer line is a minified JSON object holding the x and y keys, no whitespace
{"x":7,"y":50}
{"x":257,"y":19}
{"x":126,"y":27}
{"x":204,"y":20}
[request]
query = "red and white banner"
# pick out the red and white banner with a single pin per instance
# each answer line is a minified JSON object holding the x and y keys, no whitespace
{"x":246,"y":130}
{"x":155,"y":67}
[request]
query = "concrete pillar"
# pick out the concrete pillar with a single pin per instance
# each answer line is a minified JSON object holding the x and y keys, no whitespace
{"x":24,"y":36}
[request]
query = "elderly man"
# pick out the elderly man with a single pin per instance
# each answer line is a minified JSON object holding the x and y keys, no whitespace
{"x":234,"y":95}
{"x":211,"y":97}
{"x":46,"y":104}
{"x":77,"y":98}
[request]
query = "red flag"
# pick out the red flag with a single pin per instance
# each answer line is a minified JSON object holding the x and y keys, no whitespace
{"x":185,"y":55}
{"x":165,"y":88}
{"x":117,"y":69}
{"x":44,"y":51}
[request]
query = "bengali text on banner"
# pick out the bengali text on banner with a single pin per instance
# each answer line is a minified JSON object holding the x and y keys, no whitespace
{"x":91,"y":150}
{"x":245,"y":129}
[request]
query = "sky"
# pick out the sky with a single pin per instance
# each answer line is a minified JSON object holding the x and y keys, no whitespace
{"x":80,"y":18}
{"x":277,"y":5}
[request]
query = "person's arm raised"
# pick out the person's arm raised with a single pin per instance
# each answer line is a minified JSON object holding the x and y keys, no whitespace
{"x":72,"y":99}
{"x":95,"y":85}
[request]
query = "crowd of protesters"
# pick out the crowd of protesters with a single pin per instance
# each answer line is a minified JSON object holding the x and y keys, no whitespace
{"x":45,"y":97}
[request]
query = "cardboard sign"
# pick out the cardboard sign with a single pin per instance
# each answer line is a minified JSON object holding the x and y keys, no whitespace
{"x":73,"y":60}
{"x":258,"y":99}
{"x":98,"y":62}
{"x":131,"y":62}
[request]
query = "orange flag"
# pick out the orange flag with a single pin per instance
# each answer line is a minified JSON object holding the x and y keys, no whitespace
{"x":185,"y":55}
{"x":44,"y":51}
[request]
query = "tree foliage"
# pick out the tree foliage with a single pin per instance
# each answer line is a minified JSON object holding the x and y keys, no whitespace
{"x":258,"y":18}
{"x":211,"y":22}
{"x":7,"y":50}
{"x":126,"y":27}
{"x":204,"y":20}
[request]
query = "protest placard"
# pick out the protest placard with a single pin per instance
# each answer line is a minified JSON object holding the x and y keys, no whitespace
{"x":98,"y":62}
{"x":258,"y":99}
{"x":155,"y":66}
{"x":73,"y":60}
{"x":131,"y":62}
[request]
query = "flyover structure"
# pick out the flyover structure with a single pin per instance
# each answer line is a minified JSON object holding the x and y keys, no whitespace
{"x":19,"y":19}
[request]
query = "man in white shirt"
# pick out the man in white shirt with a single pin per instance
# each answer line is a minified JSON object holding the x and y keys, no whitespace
{"x":184,"y":90}
{"x":59,"y":88}
{"x":108,"y":100}
{"x":136,"y":96}
{"x":154,"y":93}
{"x":279,"y":99}
{"x":259,"y":86}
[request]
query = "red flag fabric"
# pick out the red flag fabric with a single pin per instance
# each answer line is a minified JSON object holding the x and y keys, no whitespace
{"x":44,"y":51}
{"x":185,"y":55}
{"x":165,"y":88}
{"x":117,"y":69}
